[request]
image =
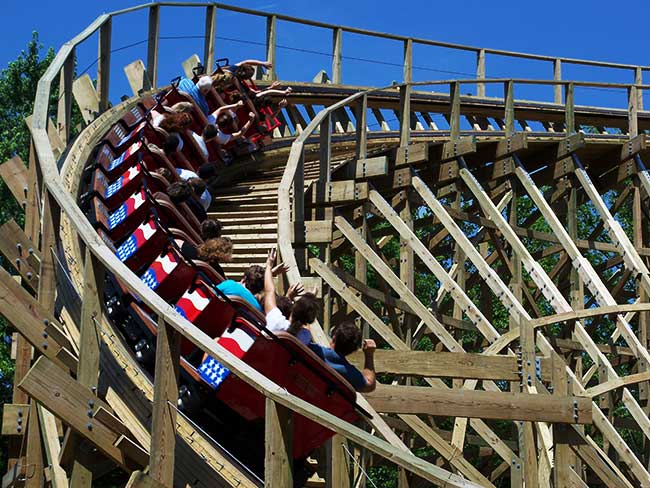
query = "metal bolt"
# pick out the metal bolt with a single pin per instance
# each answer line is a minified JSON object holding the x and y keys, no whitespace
{"x":19,"y":421}
{"x":45,"y":334}
{"x":91,"y":403}
{"x":45,"y":345}
{"x":19,"y":429}
{"x":19,"y":246}
{"x":30,"y":250}
{"x":29,"y":275}
{"x":89,"y":426}
{"x":46,"y":322}
{"x":90,"y":413}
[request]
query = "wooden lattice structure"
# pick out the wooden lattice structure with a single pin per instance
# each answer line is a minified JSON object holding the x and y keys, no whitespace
{"x":552,"y":392}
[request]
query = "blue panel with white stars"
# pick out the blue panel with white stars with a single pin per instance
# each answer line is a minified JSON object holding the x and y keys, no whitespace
{"x":117,"y":217}
{"x":114,"y":187}
{"x":149,"y":278}
{"x":116,"y":162}
{"x":213,"y":372}
{"x":126,"y":250}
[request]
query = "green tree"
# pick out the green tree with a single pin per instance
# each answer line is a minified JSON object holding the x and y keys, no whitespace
{"x":18,"y":83}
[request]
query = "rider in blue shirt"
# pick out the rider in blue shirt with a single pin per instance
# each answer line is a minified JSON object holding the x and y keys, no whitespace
{"x":346,"y":338}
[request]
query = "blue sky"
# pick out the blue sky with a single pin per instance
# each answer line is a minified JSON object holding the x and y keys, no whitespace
{"x":589,"y":30}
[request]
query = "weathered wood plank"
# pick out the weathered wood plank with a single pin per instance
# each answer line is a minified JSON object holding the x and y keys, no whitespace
{"x":480,"y":404}
{"x":278,"y":445}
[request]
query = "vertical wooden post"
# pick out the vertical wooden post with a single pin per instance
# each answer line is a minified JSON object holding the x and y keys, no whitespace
{"x":271,"y":34}
{"x":454,"y":110}
{"x":480,"y":72}
{"x":210,"y":32}
{"x":405,"y":96}
{"x":638,"y":80}
{"x":509,"y":97}
{"x":362,"y":128}
{"x":89,"y":340}
{"x":152,"y":45}
{"x":564,"y":460}
{"x":165,"y":396}
{"x":299,"y":214}
{"x":324,"y":167}
{"x":337,"y":55}
{"x":557,"y":76}
{"x":337,"y":472}
{"x":528,"y":451}
{"x":104,"y":66}
{"x":89,"y":349}
{"x":576,"y":296}
{"x":324,"y":176}
{"x":569,"y":109}
{"x":64,"y":111}
{"x":278,"y":446}
{"x":644,"y":317}
{"x":47,"y":279}
{"x":524,"y":433}
{"x":633,"y":111}
{"x":34,"y":451}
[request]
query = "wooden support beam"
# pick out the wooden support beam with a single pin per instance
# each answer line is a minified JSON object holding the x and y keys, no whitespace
{"x":52,"y":447}
{"x":361,"y":126}
{"x":342,"y":191}
{"x":480,"y":72}
{"x":163,"y":423}
{"x":480,"y":404}
{"x":278,"y":445}
{"x":17,"y":248}
{"x":152,"y":44}
{"x":34,"y":477}
{"x":37,"y":325}
{"x":138,"y":77}
{"x":64,"y":109}
{"x":86,"y":97}
{"x":557,"y":75}
{"x":14,"y":419}
{"x":70,"y":401}
{"x":15,"y":175}
{"x":362,"y":169}
{"x":337,"y":55}
{"x":448,"y":365}
{"x":210,"y":33}
{"x":454,"y":110}
{"x":271,"y":36}
{"x":104,"y":64}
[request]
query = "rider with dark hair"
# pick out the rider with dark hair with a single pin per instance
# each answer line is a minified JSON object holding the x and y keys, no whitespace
{"x":346,"y":339}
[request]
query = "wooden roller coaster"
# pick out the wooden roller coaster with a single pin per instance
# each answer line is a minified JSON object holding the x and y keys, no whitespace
{"x":526,"y":221}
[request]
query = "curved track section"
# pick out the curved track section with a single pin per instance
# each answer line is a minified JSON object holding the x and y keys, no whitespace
{"x":537,"y":322}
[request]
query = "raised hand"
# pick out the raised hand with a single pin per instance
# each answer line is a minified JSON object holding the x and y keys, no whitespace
{"x":295,"y":290}
{"x":280,"y":269}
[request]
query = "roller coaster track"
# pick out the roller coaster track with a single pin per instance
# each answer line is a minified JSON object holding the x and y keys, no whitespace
{"x":534,"y":396}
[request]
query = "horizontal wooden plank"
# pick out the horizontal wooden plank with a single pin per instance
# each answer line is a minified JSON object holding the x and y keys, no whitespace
{"x":316,"y":231}
{"x":414,"y":153}
{"x":446,"y":364}
{"x":481,"y":404}
{"x":343,"y":191}
{"x":366,"y":168}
